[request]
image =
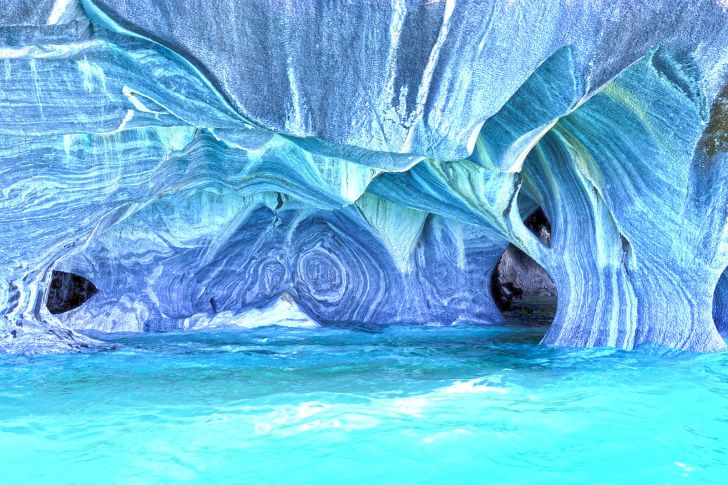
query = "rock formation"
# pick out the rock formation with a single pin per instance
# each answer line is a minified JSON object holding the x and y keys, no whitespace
{"x":341,"y":163}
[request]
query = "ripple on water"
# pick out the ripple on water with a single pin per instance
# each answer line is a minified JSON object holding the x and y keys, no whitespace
{"x":440,"y":405}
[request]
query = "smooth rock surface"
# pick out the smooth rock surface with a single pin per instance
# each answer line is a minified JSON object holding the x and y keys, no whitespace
{"x":404,"y":76}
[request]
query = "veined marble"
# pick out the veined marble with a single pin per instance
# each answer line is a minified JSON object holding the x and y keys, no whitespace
{"x":345,"y":163}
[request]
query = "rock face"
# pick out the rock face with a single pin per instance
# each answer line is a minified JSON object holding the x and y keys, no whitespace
{"x":200,"y":254}
{"x":362,"y":162}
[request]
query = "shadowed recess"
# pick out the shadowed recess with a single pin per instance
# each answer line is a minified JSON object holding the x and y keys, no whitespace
{"x":519,"y":285}
{"x":68,"y":291}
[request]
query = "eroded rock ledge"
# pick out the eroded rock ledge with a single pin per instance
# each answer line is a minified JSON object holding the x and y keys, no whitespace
{"x":363,"y":162}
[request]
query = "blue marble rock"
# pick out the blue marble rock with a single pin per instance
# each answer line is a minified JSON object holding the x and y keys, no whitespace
{"x":202,"y":256}
{"x":238,"y":163}
{"x":402,"y":76}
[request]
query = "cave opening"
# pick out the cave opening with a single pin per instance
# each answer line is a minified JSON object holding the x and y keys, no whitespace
{"x":68,"y":291}
{"x":521,"y":288}
{"x":720,"y":305}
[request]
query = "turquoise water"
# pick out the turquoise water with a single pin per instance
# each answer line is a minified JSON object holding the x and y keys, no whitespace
{"x":405,"y":405}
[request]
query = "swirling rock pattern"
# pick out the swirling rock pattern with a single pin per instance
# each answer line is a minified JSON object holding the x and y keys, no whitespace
{"x":355,"y":163}
{"x":178,"y":263}
{"x":643,"y":169}
{"x":420,"y":77}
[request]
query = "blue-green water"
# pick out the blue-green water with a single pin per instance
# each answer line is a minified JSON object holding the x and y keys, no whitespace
{"x":427,"y":405}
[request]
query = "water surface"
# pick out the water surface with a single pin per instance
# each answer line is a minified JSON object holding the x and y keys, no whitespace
{"x":427,"y":405}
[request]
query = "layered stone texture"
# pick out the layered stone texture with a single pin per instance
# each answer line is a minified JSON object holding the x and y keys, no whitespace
{"x":627,"y":173}
{"x":330,"y":163}
{"x":202,"y":258}
{"x":417,"y":76}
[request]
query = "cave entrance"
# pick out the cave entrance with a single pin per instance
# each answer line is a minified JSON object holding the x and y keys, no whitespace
{"x":521,"y":288}
{"x":720,"y":305}
{"x":68,"y":291}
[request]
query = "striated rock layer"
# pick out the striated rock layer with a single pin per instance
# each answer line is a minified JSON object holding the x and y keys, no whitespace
{"x":352,"y":163}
